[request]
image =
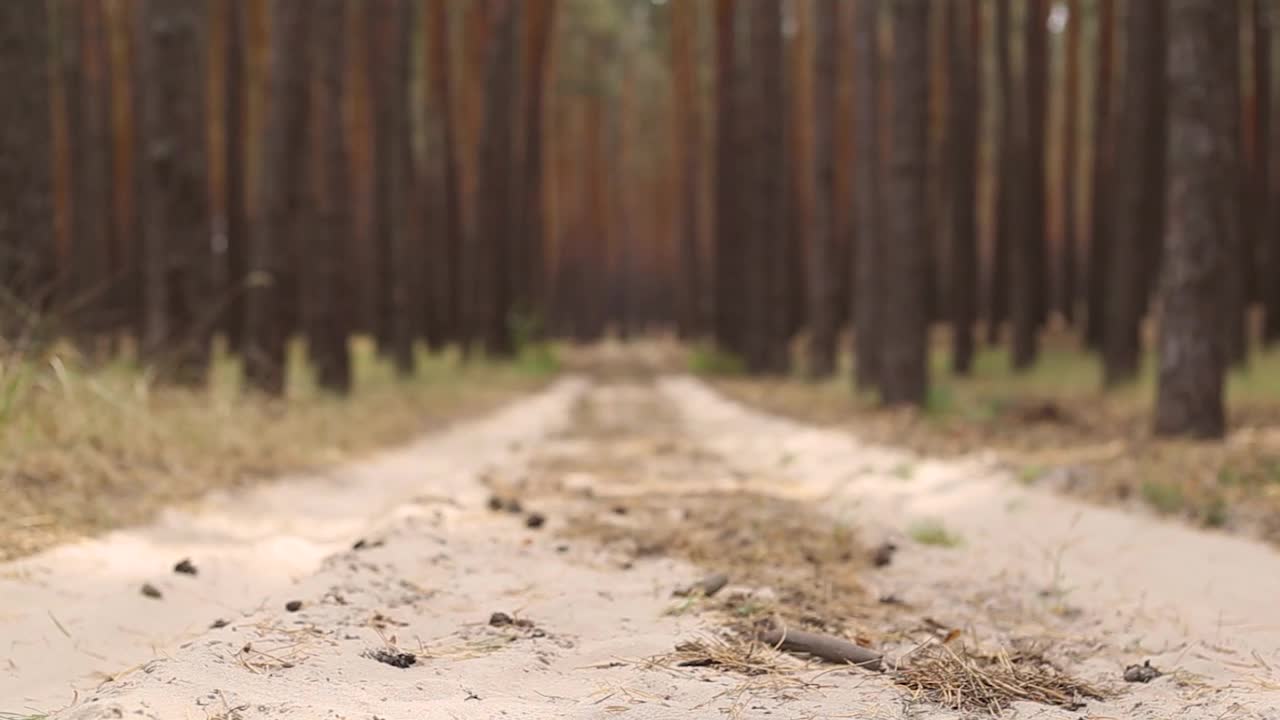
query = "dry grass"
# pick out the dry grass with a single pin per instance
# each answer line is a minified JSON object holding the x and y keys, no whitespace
{"x":84,"y":451}
{"x":1055,"y":425}
{"x":977,"y":682}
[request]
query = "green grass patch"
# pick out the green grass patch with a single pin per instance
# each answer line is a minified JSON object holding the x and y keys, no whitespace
{"x":707,"y":359}
{"x":1166,"y":498}
{"x":933,"y":532}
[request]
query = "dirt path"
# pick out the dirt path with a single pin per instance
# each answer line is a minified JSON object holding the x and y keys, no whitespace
{"x":644,"y":488}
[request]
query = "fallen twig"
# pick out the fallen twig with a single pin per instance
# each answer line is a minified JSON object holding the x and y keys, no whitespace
{"x":825,"y":647}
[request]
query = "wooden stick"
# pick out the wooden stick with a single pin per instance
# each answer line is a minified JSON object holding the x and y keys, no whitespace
{"x":707,"y":586}
{"x":825,"y":647}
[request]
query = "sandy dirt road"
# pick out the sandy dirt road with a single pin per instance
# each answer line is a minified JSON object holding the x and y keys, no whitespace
{"x":593,"y":620}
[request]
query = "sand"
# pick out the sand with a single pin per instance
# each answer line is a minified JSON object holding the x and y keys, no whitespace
{"x":1102,"y":588}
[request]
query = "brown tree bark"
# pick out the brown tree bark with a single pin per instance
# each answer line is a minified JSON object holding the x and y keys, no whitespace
{"x":1268,"y":182}
{"x":400,"y":300}
{"x":964,"y":22}
{"x":495,"y":193}
{"x":447,"y":269}
{"x":327,"y":283}
{"x":730,"y":257}
{"x":100,"y":304}
{"x":1008,"y":203}
{"x":1138,"y":191}
{"x":280,"y":25}
{"x":1035,"y":93}
{"x":26,"y":182}
{"x":529,"y":270}
{"x":1101,"y":185}
{"x":821,"y":284}
{"x":175,"y":227}
{"x":1202,"y":170}
{"x":687,"y":197}
{"x":768,"y":250}
{"x":904,"y":373}
{"x":237,"y":211}
{"x":869,"y":256}
{"x":1237,"y":290}
{"x":1067,"y":295}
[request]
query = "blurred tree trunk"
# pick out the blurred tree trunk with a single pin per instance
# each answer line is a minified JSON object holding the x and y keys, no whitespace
{"x":175,"y":227}
{"x":1269,"y":167}
{"x":1067,"y":300}
{"x":278,"y":36}
{"x":869,"y":256}
{"x":1137,"y":179}
{"x":123,"y":148}
{"x":400,"y":304}
{"x":1035,"y":94}
{"x":237,"y":211}
{"x":1237,"y":289}
{"x":98,"y":299}
{"x":446,"y":278}
{"x":495,"y":188}
{"x":327,"y":284}
{"x":964,"y":23}
{"x":1020,"y":188}
{"x":1007,"y":201}
{"x":529,"y":271}
{"x":730,"y":249}
{"x":1202,"y":170}
{"x":769,"y":248}
{"x":687,"y":198}
{"x":1104,"y":167}
{"x":822,"y":251}
{"x":904,"y":373}
{"x":26,"y":182}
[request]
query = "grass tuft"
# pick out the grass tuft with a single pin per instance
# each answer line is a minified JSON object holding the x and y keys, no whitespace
{"x":933,"y":532}
{"x":85,"y":449}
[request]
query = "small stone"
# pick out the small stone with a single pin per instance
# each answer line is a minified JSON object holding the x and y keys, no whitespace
{"x":535,"y":520}
{"x":495,"y":503}
{"x":185,"y":567}
{"x":883,"y":554}
{"x":500,"y":619}
{"x":293,"y":605}
{"x":151,"y":591}
{"x":1143,"y":673}
{"x":514,"y":507}
{"x":219,"y":623}
{"x":393,"y":658}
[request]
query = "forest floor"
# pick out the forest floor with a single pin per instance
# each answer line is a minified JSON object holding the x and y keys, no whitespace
{"x":86,"y":451}
{"x":525,"y":565}
{"x":1056,"y":427}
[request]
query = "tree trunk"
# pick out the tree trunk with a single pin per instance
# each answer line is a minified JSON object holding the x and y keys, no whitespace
{"x":1067,"y":300}
{"x":731,"y":313}
{"x":869,"y":249}
{"x":26,"y":182}
{"x":964,"y":22}
{"x":771,"y":296}
{"x":277,"y":32}
{"x":237,"y":220}
{"x":1101,"y":186}
{"x":1019,"y":195}
{"x":175,"y":243}
{"x":94,"y":265}
{"x":1035,"y":94}
{"x":447,"y":265}
{"x":904,"y":374}
{"x":494,"y":225}
{"x":684,"y":67}
{"x":399,"y":304}
{"x":1202,"y":170}
{"x":822,"y":251}
{"x":529,"y":273}
{"x":1008,"y":200}
{"x":1239,"y":241}
{"x":1135,"y":179}
{"x":1269,"y":183}
{"x":327,"y":286}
